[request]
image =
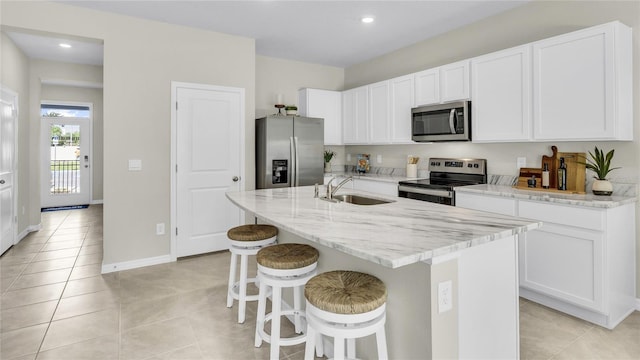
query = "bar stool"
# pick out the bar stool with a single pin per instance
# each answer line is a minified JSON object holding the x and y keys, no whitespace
{"x":345,"y":305}
{"x":283,"y":266}
{"x":245,"y":240}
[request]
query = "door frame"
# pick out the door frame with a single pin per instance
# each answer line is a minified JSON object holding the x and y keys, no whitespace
{"x":42,"y":152}
{"x":175,"y":85}
{"x":7,"y":93}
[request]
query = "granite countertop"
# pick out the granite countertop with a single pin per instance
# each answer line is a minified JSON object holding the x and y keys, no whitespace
{"x":586,"y":200}
{"x":399,"y":233}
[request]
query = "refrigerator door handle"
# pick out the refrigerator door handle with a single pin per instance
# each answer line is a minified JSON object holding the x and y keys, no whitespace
{"x":296,"y":170}
{"x":292,"y":165}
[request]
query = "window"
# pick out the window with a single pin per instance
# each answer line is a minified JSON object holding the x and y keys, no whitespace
{"x":54,"y":110}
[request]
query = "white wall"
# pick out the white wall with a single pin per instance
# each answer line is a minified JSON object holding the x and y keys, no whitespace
{"x":14,"y":74}
{"x":141,"y":58}
{"x":533,"y":21}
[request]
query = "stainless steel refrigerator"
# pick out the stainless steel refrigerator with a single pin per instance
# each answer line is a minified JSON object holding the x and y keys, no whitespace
{"x":289,"y":151}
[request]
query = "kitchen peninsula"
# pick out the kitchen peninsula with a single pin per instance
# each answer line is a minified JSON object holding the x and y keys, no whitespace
{"x":415,"y":248}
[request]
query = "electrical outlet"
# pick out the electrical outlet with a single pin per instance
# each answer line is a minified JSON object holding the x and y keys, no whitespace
{"x":348,"y":157}
{"x":160,"y":229}
{"x":379,"y":159}
{"x":445,"y":296}
{"x":521,"y":162}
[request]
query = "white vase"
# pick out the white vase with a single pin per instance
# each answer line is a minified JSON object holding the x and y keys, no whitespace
{"x":327,"y":167}
{"x":602,"y":187}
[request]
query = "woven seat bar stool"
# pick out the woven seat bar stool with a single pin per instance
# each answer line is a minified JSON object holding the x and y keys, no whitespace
{"x":283,"y":266}
{"x":245,"y":240}
{"x":345,"y":305}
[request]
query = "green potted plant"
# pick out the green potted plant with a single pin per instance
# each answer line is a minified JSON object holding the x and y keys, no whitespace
{"x":600,"y":164}
{"x":328,"y":155}
{"x":291,"y":109}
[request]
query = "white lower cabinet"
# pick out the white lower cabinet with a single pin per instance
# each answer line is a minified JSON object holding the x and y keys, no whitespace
{"x":581,"y":261}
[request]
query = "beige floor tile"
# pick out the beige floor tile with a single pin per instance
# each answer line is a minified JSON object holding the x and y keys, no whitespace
{"x":42,"y":278}
{"x":157,"y":338}
{"x":5,"y":283}
{"x":24,"y":249}
{"x":107,"y":282}
{"x":93,"y":240}
{"x":101,"y":348}
{"x":80,"y":328}
{"x":11,"y":299}
{"x":60,"y":245}
{"x":85,"y":271}
{"x":28,"y":315}
{"x":13,"y":259}
{"x":85,"y":304}
{"x":21,"y":342}
{"x":56,"y":254}
{"x":89,"y":259}
{"x":91,"y":249}
{"x":545,"y":332}
{"x":47,"y":265}
{"x":191,"y":352}
{"x":67,"y":228}
{"x":11,"y":270}
{"x":65,"y":237}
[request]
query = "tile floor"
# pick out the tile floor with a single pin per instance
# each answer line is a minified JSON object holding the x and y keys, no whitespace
{"x":55,"y":304}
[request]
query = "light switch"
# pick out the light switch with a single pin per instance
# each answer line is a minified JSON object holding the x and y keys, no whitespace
{"x":135,"y":165}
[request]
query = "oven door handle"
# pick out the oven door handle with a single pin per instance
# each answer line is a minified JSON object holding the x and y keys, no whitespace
{"x":441,"y":193}
{"x":452,"y":121}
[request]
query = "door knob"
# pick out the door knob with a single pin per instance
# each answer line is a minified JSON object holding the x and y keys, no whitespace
{"x":235,"y":179}
{"x":2,"y":181}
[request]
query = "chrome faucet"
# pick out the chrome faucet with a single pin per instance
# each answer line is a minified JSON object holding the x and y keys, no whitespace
{"x":331,"y":190}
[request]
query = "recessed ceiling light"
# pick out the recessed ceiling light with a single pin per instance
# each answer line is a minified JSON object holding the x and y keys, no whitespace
{"x":63,"y":45}
{"x":367,"y":19}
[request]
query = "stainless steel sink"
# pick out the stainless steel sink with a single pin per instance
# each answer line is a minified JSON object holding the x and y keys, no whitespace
{"x":359,"y":200}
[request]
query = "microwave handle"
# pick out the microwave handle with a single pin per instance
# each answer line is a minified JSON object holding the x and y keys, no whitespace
{"x":452,"y":121}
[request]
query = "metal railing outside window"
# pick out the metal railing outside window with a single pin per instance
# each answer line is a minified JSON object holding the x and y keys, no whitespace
{"x":65,"y":176}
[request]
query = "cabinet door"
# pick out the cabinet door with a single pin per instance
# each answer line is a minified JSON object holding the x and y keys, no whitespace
{"x":324,"y":104}
{"x":354,"y":116}
{"x":574,"y":86}
{"x":501,"y":93}
{"x":454,"y":81}
{"x":379,"y":113}
{"x":427,"y":87}
{"x":491,"y":204}
{"x":401,"y":104}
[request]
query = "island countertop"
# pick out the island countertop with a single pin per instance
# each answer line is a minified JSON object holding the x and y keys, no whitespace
{"x":395,"y":234}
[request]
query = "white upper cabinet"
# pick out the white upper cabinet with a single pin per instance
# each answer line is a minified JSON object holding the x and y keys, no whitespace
{"x":442,"y":84}
{"x":355,"y":106}
{"x":582,"y":85}
{"x":324,"y":104}
{"x":379,"y":113}
{"x":401,"y":97}
{"x":427,"y":87}
{"x":454,"y":81}
{"x":501,"y":93}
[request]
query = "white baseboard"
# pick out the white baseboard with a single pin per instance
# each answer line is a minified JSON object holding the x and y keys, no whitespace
{"x":637,"y":304}
{"x":25,"y":232}
{"x":134,"y":264}
{"x":97,"y":202}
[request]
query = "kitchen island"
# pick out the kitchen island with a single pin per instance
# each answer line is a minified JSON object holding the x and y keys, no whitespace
{"x":415,"y":248}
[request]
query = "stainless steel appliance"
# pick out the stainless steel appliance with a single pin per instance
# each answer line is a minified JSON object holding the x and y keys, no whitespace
{"x":289,"y":151}
{"x":444,"y":175}
{"x":441,"y":122}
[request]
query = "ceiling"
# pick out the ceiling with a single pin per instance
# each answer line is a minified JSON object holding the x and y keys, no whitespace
{"x":322,"y":32}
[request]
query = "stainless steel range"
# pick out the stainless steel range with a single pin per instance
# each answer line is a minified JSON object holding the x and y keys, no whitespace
{"x":444,"y":175}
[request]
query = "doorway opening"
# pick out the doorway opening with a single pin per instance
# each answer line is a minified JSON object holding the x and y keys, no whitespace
{"x":66,"y":143}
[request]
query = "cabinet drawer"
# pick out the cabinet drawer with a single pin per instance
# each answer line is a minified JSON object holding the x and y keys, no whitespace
{"x":486,"y":203}
{"x":563,"y":215}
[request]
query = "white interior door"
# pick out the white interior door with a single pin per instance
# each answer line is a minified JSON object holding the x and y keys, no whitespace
{"x":8,"y":123}
{"x":209,"y":150}
{"x":66,"y":161}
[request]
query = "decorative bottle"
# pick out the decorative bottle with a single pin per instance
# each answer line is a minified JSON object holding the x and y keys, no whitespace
{"x":545,"y":176}
{"x":562,"y":175}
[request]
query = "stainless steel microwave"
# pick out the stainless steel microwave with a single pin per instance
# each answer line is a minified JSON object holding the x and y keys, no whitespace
{"x":442,"y":122}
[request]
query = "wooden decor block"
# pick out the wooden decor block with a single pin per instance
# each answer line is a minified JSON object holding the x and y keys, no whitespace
{"x":576,"y":172}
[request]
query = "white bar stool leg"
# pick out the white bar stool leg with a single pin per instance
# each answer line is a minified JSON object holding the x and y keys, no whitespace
{"x":297,"y":303}
{"x":242,"y":301}
{"x":232,"y":279}
{"x":381,"y":339}
{"x":319,"y":345}
{"x":310,"y":345}
{"x":262,"y":309}
{"x":351,"y":348}
{"x":276,"y":305}
{"x":338,"y":348}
